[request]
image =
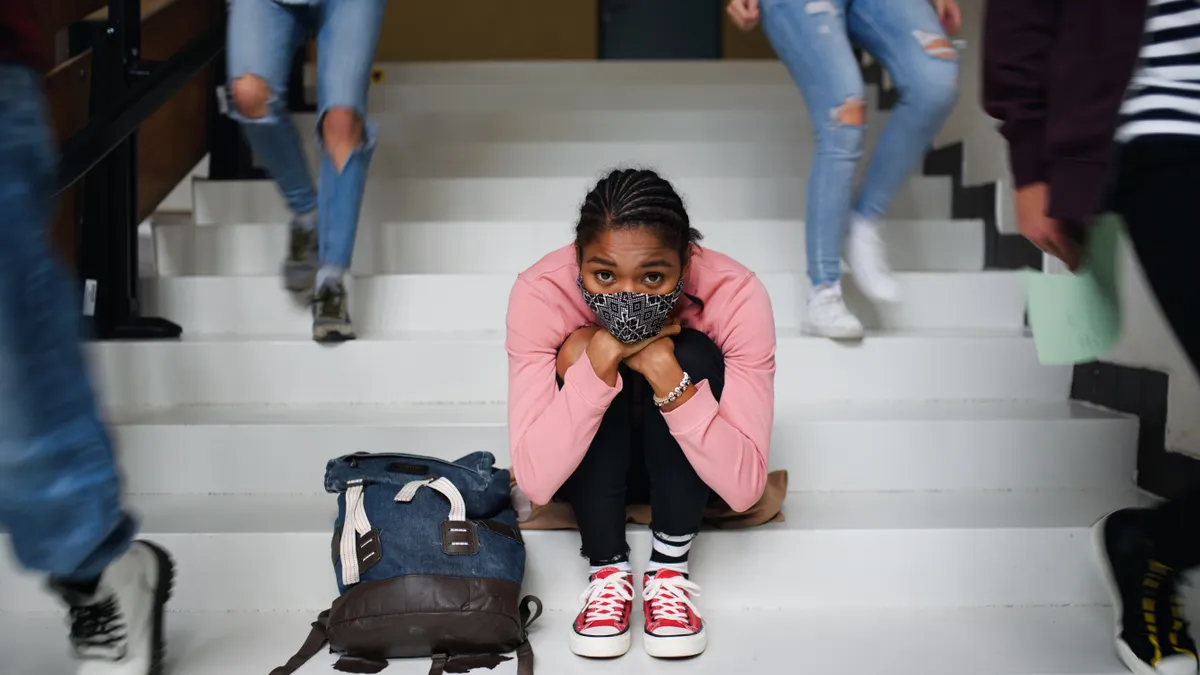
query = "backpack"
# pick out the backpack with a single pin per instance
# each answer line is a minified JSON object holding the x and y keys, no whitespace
{"x":429,"y":562}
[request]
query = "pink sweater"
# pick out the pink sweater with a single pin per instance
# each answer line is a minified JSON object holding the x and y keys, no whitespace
{"x":550,"y":429}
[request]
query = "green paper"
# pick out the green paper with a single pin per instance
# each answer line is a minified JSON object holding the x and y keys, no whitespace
{"x":1076,"y":318}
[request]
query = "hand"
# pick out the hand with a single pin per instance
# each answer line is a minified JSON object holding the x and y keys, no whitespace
{"x":744,"y":13}
{"x":607,"y":352}
{"x":1049,"y":234}
{"x":655,"y":354}
{"x":573,"y":348}
{"x":950,"y":14}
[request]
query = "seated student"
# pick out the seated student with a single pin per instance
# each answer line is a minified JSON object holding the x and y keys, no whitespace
{"x":641,"y":370}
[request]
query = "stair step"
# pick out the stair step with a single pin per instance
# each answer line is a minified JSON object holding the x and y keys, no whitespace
{"x":824,"y":446}
{"x":997,"y":641}
{"x":428,"y":302}
{"x":472,"y":367}
{"x":548,"y":199}
{"x":436,"y":247}
{"x":526,"y":73}
{"x":837,"y":550}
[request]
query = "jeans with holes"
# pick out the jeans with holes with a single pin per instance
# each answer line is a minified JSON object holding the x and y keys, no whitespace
{"x":263,"y":37}
{"x":814,"y":40}
{"x":60,"y":496}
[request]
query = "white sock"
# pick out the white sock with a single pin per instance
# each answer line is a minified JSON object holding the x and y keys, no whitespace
{"x":670,"y":552}
{"x":857,"y":220}
{"x":329,"y":274}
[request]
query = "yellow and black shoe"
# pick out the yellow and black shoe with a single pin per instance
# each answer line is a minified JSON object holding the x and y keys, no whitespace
{"x":1153,"y":634}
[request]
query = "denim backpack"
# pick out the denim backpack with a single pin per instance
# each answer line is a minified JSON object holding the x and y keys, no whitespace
{"x":429,"y":562}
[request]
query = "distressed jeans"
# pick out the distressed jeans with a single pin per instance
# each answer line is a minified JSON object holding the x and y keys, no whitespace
{"x":60,"y":497}
{"x":814,"y":40}
{"x":263,"y":37}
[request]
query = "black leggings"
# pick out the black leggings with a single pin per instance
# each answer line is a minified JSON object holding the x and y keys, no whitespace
{"x":634,"y":459}
{"x":1158,"y":194}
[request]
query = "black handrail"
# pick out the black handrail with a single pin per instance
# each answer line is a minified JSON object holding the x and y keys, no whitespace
{"x":126,"y":90}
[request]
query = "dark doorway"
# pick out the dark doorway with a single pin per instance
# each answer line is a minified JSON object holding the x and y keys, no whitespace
{"x":660,"y":29}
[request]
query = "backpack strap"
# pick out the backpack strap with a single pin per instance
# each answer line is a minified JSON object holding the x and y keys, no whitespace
{"x":316,"y":639}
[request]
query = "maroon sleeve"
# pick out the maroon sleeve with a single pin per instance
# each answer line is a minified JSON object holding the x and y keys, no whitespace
{"x":1018,"y":41}
{"x":1094,"y":59}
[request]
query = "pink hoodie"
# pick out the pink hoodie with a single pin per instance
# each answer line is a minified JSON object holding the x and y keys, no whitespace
{"x":550,"y":429}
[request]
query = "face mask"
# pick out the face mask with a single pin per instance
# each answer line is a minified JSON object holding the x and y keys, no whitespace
{"x":632,"y":317}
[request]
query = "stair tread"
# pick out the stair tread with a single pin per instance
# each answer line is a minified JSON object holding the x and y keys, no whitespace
{"x":490,"y":414}
{"x":989,"y":641}
{"x":291,"y":514}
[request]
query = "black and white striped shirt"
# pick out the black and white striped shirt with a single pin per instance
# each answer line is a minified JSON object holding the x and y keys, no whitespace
{"x":1164,"y":96}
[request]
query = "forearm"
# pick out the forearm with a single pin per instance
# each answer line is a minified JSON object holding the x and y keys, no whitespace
{"x":664,"y":375}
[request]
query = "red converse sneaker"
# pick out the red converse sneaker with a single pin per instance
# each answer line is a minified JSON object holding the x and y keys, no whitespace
{"x":673,"y":626}
{"x":602,"y":627}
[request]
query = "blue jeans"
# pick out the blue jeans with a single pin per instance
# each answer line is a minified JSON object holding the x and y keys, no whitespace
{"x":263,"y":37}
{"x":60,"y":498}
{"x":813,"y":39}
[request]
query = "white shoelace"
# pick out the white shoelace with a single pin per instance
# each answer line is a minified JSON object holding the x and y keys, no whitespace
{"x":669,"y":598}
{"x":604,"y":599}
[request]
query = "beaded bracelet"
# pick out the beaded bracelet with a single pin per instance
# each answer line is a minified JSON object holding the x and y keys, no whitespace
{"x":674,"y":395}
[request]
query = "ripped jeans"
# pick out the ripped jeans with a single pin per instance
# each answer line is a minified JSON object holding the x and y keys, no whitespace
{"x":813,"y":39}
{"x":263,"y":37}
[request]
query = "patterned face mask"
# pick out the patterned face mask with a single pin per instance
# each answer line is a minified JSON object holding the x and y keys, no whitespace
{"x":632,"y":317}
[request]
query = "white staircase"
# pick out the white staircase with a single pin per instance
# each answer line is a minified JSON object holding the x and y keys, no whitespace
{"x":943,"y":484}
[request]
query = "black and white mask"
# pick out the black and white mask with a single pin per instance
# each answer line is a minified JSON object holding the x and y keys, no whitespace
{"x":632,"y":317}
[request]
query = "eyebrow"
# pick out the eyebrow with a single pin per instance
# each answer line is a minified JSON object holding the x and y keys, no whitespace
{"x":656,"y":263}
{"x":601,"y":261}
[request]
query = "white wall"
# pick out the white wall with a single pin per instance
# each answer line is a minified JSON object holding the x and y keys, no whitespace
{"x":1147,"y":340}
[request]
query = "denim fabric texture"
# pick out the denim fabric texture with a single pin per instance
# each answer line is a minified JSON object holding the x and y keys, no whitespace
{"x":410,"y":533}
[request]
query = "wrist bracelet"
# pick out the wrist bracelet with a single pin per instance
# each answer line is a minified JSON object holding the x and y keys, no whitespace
{"x":674,"y":395}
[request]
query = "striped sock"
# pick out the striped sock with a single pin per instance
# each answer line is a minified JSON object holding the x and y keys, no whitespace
{"x":670,"y":552}
{"x":622,"y":565}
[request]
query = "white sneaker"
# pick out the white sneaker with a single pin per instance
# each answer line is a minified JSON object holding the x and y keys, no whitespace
{"x":867,"y":257}
{"x":119,"y":629}
{"x":826,"y":315}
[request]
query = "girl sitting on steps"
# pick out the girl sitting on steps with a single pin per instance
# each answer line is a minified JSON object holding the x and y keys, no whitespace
{"x":641,"y":370}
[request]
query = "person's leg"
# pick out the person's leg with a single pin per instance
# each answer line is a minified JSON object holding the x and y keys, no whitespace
{"x":1145,"y":552}
{"x":907,"y":38}
{"x":811,"y":40}
{"x":60,"y":495}
{"x":263,"y":36}
{"x":346,"y":41}
{"x":596,"y":492}
{"x":677,"y":500}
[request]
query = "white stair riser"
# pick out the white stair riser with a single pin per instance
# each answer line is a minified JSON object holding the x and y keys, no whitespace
{"x":434,"y":371}
{"x":615,"y":71}
{"x":681,"y":161}
{"x":833,"y":455}
{"x":766,"y":570}
{"x":548,"y":199}
{"x":655,"y":126}
{"x":582,"y":96}
{"x":394,"y":304}
{"x":497,"y":247}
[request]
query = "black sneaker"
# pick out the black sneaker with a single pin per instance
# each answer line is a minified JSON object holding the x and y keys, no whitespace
{"x":300,"y":266}
{"x":331,"y":317}
{"x":1153,"y":637}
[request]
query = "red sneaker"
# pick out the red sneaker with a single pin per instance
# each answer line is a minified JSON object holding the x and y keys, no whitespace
{"x":673,"y":626}
{"x":602,"y":627}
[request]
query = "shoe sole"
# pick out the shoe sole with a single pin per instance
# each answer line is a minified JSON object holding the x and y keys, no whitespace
{"x":162,"y":594}
{"x":1131,"y":661}
{"x":333,"y":337}
{"x":601,"y":646}
{"x":675,"y":646}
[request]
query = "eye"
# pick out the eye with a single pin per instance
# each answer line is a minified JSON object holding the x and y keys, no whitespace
{"x":654,"y":278}
{"x":604,"y":276}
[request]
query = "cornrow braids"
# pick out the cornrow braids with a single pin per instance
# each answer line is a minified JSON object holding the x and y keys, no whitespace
{"x":632,"y":198}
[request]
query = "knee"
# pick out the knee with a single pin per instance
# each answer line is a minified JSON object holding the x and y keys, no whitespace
{"x":341,"y":126}
{"x":699,"y":355}
{"x":935,"y":88}
{"x":846,"y":127}
{"x":251,"y":96}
